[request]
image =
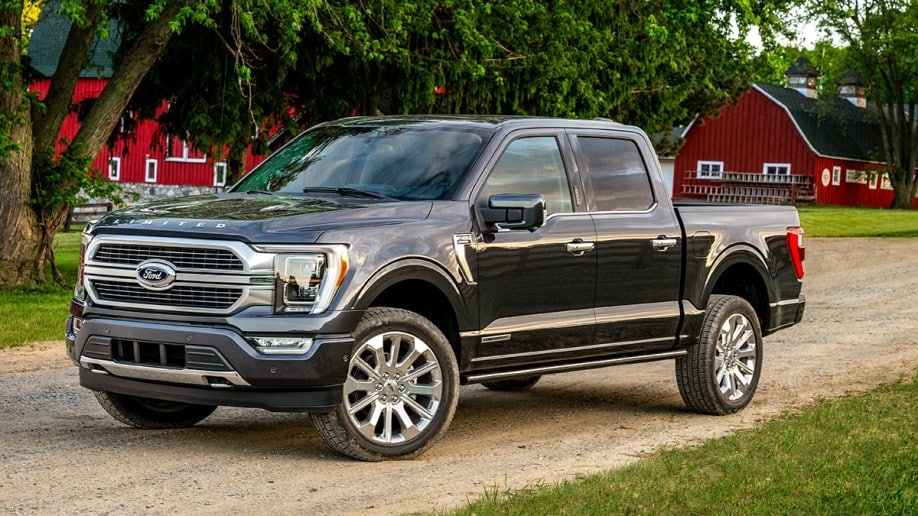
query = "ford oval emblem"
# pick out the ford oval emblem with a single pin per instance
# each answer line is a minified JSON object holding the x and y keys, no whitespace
{"x":155,"y":275}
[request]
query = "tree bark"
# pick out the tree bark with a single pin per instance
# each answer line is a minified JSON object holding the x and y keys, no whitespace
{"x":47,"y":123}
{"x":18,"y":254}
{"x":134,"y":65}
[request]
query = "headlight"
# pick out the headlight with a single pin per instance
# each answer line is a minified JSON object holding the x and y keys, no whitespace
{"x":307,"y":282}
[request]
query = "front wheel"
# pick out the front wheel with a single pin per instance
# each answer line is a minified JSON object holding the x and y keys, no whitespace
{"x":720,"y":373}
{"x":150,"y":413}
{"x":401,"y":389}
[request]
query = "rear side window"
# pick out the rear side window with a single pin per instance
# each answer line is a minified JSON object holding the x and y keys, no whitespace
{"x":617,"y":173}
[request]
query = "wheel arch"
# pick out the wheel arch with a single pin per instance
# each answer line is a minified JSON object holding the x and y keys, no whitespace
{"x":423,"y":288}
{"x":743,"y":272}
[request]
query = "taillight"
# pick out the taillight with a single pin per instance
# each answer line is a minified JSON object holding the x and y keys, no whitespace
{"x":797,"y":249}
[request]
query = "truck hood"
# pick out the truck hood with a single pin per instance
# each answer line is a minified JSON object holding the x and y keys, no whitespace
{"x":257,"y":218}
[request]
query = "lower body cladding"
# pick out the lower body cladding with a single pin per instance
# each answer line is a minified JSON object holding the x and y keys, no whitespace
{"x":206,"y":365}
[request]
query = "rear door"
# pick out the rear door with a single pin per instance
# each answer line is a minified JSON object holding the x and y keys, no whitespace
{"x":638,"y":240}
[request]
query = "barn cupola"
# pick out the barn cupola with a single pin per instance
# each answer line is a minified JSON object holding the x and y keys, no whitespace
{"x":801,"y":76}
{"x":852,"y":88}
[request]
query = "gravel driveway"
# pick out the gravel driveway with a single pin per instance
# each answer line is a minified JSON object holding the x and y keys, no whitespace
{"x":60,"y":453}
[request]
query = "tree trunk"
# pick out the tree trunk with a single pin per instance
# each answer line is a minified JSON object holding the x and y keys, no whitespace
{"x":134,"y":65}
{"x":18,"y":252}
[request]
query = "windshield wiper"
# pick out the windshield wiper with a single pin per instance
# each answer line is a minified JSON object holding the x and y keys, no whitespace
{"x":346,"y":191}
{"x":261,"y":192}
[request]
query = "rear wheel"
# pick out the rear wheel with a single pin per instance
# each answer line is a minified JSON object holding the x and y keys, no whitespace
{"x":513,"y":384}
{"x":721,"y":371}
{"x":150,"y":413}
{"x":401,"y":389}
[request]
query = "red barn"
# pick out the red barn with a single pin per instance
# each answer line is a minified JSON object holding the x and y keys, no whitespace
{"x":148,"y":162}
{"x":780,"y":145}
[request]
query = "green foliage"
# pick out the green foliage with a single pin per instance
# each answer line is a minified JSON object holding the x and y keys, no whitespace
{"x":65,"y":180}
{"x":831,"y":61}
{"x":648,"y":63}
{"x":855,"y":455}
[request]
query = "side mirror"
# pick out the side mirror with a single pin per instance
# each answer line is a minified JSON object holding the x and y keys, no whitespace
{"x":515,"y":211}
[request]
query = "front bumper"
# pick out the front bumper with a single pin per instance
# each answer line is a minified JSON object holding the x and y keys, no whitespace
{"x":204,"y":364}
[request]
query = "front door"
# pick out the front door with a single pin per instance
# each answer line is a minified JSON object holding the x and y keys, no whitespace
{"x":536,"y":288}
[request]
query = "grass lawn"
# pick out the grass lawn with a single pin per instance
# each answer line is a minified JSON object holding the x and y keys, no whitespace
{"x":842,"y":221}
{"x":37,"y":314}
{"x":854,"y":455}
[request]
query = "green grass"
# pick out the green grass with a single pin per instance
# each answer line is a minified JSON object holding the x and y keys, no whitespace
{"x":36,"y":314}
{"x":839,"y":221}
{"x":855,"y":455}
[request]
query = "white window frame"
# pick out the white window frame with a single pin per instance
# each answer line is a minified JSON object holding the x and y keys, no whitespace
{"x":184,"y":157}
{"x":146,"y":170}
{"x":836,"y":176}
{"x":217,"y":166}
{"x":874,"y":180}
{"x":710,"y":174}
{"x":114,"y":168}
{"x":885,"y":183}
{"x":778,"y":167}
{"x":855,"y":176}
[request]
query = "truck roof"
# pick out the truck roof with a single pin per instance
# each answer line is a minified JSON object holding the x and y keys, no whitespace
{"x":493,"y":122}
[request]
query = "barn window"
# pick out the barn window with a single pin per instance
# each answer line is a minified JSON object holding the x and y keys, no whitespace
{"x":836,"y":176}
{"x":710,"y":169}
{"x":219,"y":173}
{"x":114,"y":168}
{"x":776,"y":169}
{"x":874,"y":180}
{"x":855,"y":176}
{"x":152,"y":166}
{"x":178,"y":149}
{"x":886,"y":184}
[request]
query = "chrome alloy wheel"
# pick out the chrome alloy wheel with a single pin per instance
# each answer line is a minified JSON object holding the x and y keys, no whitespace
{"x":735,"y":357}
{"x":393,"y":389}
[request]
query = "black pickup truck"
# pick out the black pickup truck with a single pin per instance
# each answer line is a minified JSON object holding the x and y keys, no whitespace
{"x":371,"y":266}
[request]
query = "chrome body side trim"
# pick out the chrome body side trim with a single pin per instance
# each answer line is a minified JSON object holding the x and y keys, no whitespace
{"x":162,"y":374}
{"x":542,"y":353}
{"x":533,"y":371}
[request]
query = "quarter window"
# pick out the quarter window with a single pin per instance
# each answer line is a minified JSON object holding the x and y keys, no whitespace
{"x":617,"y":173}
{"x":532,"y":165}
{"x":710,"y":169}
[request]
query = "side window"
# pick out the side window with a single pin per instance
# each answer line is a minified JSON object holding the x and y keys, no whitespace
{"x":532,"y":166}
{"x":617,"y":173}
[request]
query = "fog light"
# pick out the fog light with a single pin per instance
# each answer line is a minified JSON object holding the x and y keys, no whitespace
{"x":282,"y":345}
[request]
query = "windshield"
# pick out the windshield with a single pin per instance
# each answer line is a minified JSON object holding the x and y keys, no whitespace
{"x":408,"y":162}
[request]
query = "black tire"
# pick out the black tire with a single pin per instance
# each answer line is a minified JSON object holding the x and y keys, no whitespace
{"x":721,"y":371}
{"x":395,"y":405}
{"x":513,"y":384}
{"x":150,"y":413}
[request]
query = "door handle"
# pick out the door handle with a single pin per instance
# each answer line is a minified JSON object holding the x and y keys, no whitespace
{"x":578,"y":247}
{"x":661,"y":243}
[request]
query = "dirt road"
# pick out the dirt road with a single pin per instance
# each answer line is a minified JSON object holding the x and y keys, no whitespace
{"x":60,"y":453}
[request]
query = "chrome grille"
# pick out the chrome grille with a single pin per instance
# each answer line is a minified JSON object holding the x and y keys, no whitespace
{"x":181,"y":257}
{"x":215,"y":298}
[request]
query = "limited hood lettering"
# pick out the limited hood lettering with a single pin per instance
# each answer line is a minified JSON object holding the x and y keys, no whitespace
{"x":176,"y":223}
